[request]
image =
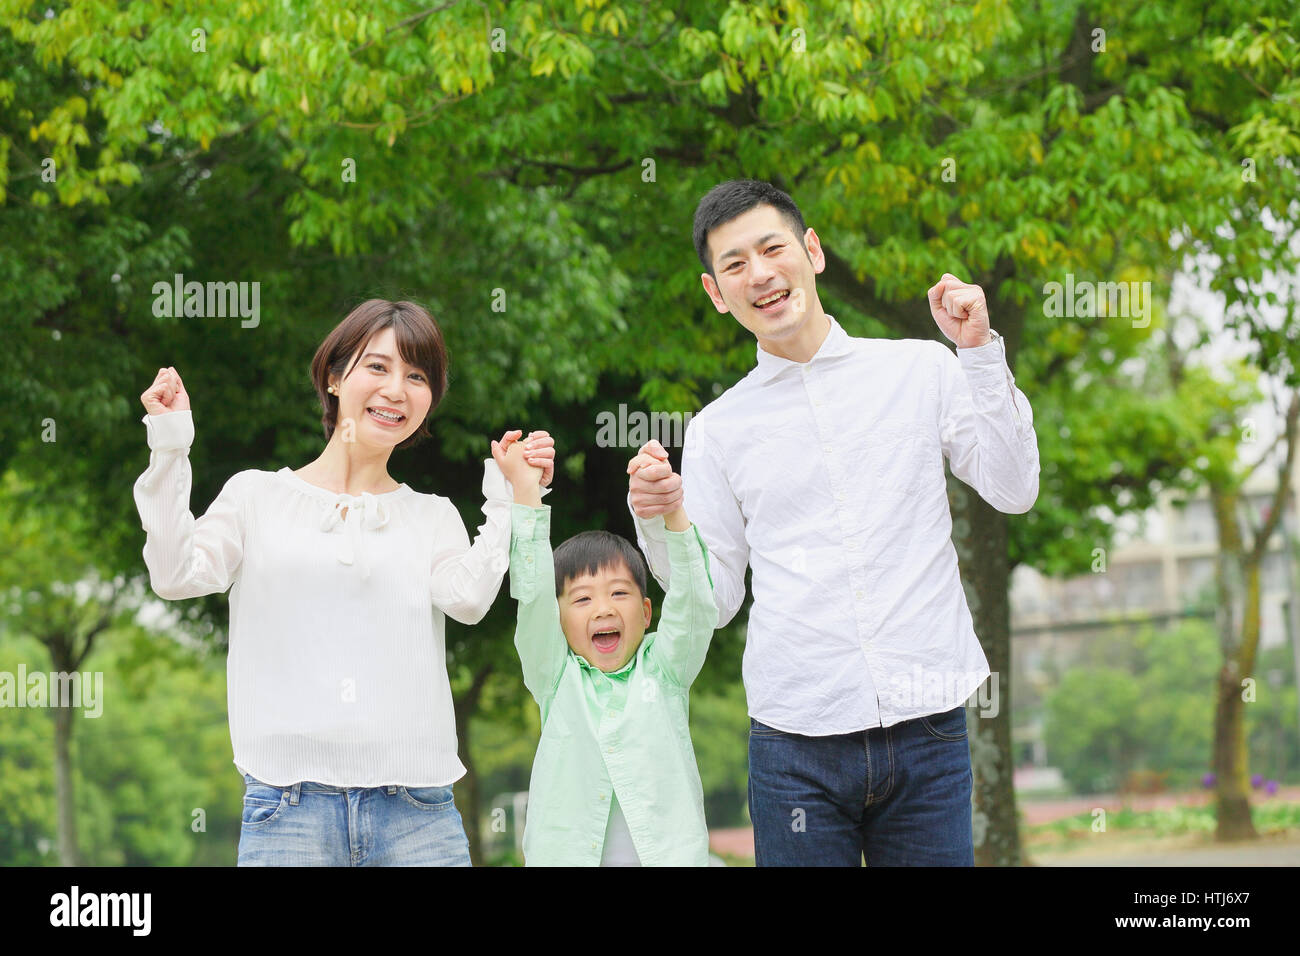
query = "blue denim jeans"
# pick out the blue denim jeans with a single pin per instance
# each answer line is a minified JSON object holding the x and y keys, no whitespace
{"x":310,"y":824}
{"x":900,"y":795}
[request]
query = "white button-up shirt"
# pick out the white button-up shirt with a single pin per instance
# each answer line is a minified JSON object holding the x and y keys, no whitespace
{"x":826,"y":477}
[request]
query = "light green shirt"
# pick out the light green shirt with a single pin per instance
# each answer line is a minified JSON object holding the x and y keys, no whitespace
{"x":623,"y":733}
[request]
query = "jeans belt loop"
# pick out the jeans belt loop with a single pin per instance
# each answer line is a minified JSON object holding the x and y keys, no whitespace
{"x":295,"y":794}
{"x":391,"y":789}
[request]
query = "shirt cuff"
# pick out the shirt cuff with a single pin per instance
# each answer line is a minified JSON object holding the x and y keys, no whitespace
{"x":530,"y":524}
{"x":654,"y":529}
{"x":170,"y":431}
{"x":986,"y":365}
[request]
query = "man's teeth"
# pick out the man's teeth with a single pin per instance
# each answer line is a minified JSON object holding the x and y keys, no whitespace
{"x":387,"y":416}
{"x":767,"y":300}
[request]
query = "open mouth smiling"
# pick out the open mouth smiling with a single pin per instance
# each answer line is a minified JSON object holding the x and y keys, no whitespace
{"x":772,"y":300}
{"x":606,"y":639}
{"x":386,"y":416}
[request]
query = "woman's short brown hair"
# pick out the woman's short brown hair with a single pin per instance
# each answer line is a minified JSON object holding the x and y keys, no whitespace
{"x":419,"y":343}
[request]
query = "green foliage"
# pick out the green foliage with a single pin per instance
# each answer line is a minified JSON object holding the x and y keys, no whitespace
{"x":559,"y":161}
{"x":1270,"y":817}
{"x":1147,"y":704}
{"x":720,"y":732}
{"x":159,"y":751}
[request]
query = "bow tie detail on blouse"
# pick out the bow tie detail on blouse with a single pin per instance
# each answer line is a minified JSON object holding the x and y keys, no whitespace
{"x":365,"y":512}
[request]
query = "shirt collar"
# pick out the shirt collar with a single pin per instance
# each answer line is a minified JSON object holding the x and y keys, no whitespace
{"x":623,"y":671}
{"x":836,"y":343}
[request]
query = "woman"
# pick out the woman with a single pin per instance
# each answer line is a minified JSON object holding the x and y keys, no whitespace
{"x":340,"y":708}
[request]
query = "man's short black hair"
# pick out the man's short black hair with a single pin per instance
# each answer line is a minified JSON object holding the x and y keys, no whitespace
{"x":591,"y":551}
{"x":726,"y":201}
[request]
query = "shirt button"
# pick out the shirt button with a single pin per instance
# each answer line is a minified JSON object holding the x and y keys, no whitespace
{"x":858,"y":595}
{"x":839,"y":496}
{"x":602,"y":798}
{"x":828,"y":449}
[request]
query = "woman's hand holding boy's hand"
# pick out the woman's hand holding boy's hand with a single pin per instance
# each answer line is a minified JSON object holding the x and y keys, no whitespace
{"x":515,"y":457}
{"x":539,"y":450}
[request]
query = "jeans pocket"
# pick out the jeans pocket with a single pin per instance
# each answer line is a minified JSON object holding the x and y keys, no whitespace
{"x":263,"y":803}
{"x":946,"y":726}
{"x":428,"y":798}
{"x":763,"y":730}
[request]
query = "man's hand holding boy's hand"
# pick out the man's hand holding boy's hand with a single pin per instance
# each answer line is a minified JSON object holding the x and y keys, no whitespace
{"x":513,"y":457}
{"x":655,"y":488}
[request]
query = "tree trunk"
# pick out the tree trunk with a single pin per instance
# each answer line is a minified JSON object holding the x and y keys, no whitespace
{"x":980,"y":536}
{"x":63,"y":788}
{"x":65,"y":658}
{"x":1237,"y":579}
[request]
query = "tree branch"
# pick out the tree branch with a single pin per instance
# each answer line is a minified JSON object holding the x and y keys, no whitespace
{"x":409,"y":21}
{"x":842,"y":281}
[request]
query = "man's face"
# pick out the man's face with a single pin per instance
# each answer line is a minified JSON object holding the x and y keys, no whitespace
{"x":764,"y":277}
{"x":604,"y":617}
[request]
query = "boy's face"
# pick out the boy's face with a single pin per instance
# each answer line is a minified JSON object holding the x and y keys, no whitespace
{"x":604,"y":616}
{"x":765,"y":277}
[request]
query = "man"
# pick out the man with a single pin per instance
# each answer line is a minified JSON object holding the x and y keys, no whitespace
{"x":822,"y":470}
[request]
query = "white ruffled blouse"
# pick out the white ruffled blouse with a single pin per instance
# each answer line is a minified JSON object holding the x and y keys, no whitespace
{"x":337,"y":668}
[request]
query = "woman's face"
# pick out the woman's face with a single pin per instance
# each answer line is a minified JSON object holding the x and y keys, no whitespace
{"x":382,"y":401}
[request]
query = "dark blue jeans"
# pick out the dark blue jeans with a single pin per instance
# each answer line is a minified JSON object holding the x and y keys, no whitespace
{"x":900,"y":795}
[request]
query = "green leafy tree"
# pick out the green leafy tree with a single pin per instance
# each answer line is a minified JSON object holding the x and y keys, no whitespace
{"x":1006,"y":143}
{"x":52,"y":594}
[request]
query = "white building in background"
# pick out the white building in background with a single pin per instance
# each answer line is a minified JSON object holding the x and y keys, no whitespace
{"x":1162,"y":566}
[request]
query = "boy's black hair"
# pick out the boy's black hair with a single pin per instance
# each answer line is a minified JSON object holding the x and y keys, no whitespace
{"x":590,"y":551}
{"x":726,"y":201}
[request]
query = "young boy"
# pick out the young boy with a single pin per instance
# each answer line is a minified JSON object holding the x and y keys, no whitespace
{"x":614,"y":781}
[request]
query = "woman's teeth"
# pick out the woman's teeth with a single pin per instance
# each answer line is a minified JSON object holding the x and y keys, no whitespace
{"x":388,"y":418}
